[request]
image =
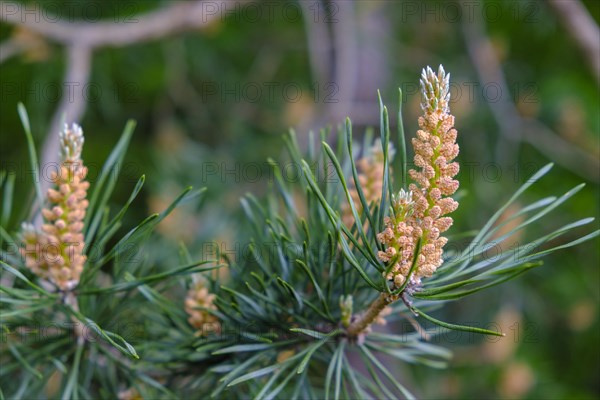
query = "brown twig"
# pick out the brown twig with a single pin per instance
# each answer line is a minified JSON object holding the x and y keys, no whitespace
{"x":361,"y":322}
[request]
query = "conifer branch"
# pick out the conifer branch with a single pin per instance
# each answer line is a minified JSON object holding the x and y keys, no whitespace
{"x":362,"y":322}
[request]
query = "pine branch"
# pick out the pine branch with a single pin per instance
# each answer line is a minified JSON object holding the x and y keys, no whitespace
{"x":363,"y":321}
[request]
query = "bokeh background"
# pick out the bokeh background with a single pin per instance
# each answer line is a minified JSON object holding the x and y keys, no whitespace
{"x":213,"y":85}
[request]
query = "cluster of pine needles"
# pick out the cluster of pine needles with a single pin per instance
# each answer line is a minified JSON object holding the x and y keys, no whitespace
{"x":296,"y":316}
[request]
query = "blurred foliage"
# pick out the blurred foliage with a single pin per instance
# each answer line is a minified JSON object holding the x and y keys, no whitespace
{"x":182,"y":129}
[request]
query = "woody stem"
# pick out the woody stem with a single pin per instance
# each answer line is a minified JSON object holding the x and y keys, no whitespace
{"x":362,"y":321}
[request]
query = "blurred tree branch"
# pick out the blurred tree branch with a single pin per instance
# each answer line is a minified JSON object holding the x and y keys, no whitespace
{"x":82,"y":39}
{"x":319,"y":45}
{"x":513,"y":127}
{"x":348,"y":59}
{"x":10,"y":48}
{"x":177,"y":17}
{"x":582,"y":27}
{"x":333,"y":52}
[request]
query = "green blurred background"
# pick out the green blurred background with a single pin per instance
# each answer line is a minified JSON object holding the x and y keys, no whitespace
{"x":213,"y":98}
